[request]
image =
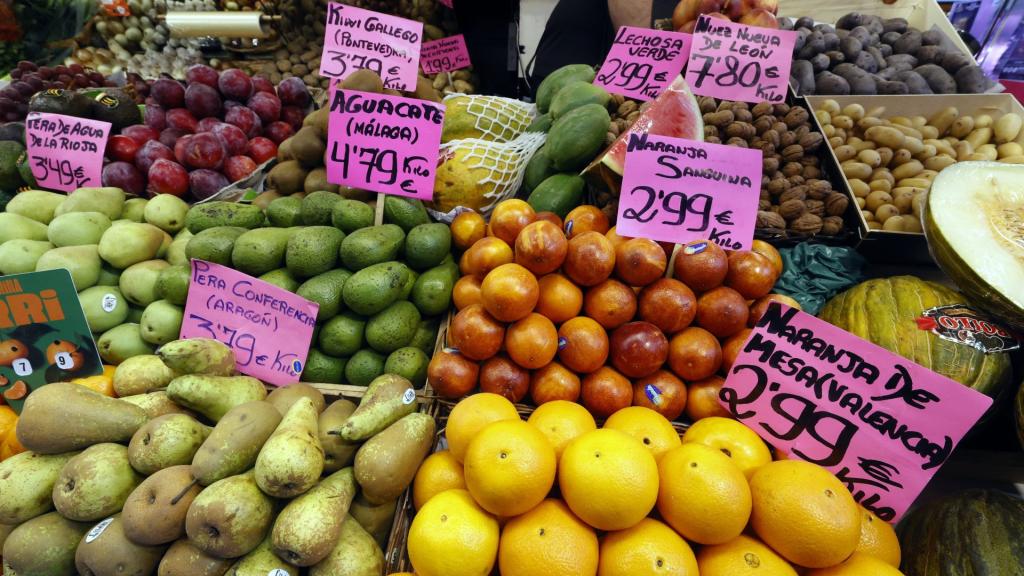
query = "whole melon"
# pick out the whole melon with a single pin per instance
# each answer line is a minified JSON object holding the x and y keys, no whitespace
{"x":885,"y":311}
{"x":971,"y":533}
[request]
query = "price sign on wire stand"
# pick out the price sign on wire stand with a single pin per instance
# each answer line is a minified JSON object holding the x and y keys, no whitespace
{"x":267,"y":327}
{"x":676,"y":190}
{"x":739,"y":62}
{"x":445,"y":55}
{"x":881,"y":423}
{"x":388,"y":45}
{"x":65,"y":152}
{"x":382,"y":143}
{"x":643,"y":62}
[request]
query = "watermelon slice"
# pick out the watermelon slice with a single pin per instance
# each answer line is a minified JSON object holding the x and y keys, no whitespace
{"x":675,"y":112}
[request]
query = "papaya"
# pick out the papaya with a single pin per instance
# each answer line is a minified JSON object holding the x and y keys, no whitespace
{"x":537,"y":170}
{"x":555,"y":81}
{"x":576,"y":94}
{"x":541,"y":123}
{"x":577,"y":137}
{"x":559,"y":193}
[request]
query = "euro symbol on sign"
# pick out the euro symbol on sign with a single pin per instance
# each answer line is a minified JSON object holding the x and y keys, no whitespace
{"x":724,"y":217}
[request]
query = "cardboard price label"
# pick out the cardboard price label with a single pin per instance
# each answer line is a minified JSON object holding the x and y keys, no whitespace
{"x":882,"y":424}
{"x":740,"y":62}
{"x":388,"y":45}
{"x":383,"y":143}
{"x":268,"y":327}
{"x":65,"y":152}
{"x":445,"y":55}
{"x":676,"y":190}
{"x":642,"y":62}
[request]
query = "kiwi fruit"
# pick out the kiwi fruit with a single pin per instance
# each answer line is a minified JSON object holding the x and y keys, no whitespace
{"x":317,"y":180}
{"x":264,"y":199}
{"x":317,"y":120}
{"x":284,"y":150}
{"x":307,"y":147}
{"x":425,"y":90}
{"x":354,"y":193}
{"x":363,"y":81}
{"x":287,"y":177}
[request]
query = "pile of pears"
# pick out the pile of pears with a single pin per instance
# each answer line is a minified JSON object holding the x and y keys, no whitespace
{"x":203,"y":473}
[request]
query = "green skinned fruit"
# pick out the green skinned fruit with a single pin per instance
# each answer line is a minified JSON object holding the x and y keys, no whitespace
{"x":26,"y":484}
{"x":198,"y":356}
{"x":292,"y":460}
{"x":234,"y":444}
{"x":161,"y":322}
{"x":213,"y":396}
{"x":166,"y":441}
{"x":62,"y":417}
{"x":230,"y":517}
{"x":19,"y":256}
{"x":138,"y":282}
{"x":122,"y":342}
{"x":141,"y":374}
{"x":77,"y":228}
{"x":108,"y":200}
{"x":127,"y":244}
{"x":355,"y":554}
{"x":184,"y":559}
{"x":177,"y":252}
{"x":154,"y":513}
{"x":386,"y":464}
{"x":154,"y":404}
{"x":167,"y":212}
{"x":111,"y":552}
{"x":38,"y":205}
{"x":15,"y":226}
{"x":324,"y":506}
{"x":109,"y":276}
{"x":83,"y":262}
{"x":377,"y":519}
{"x":337,"y":452}
{"x":95,"y":484}
{"x":134,"y":209}
{"x":388,"y":399}
{"x":104,"y":307}
{"x":284,"y":397}
{"x":262,"y":562}
{"x":172,"y":284}
{"x":43,"y":546}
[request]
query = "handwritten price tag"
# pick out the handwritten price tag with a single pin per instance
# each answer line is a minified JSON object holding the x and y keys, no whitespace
{"x":677,"y":190}
{"x":882,"y":424}
{"x":357,"y":39}
{"x":739,"y":62}
{"x":268,"y":328}
{"x":383,"y":143}
{"x":445,"y":55}
{"x":65,"y":152}
{"x":642,"y":62}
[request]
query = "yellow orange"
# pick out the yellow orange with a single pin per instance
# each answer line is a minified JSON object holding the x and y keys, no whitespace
{"x":608,"y":479}
{"x":439,"y":472}
{"x":559,"y":298}
{"x":651,"y":548}
{"x":733,"y":438}
{"x":100,"y":383}
{"x":9,"y":420}
{"x":549,"y":540}
{"x":467,"y":228}
{"x":466,"y":292}
{"x":878,"y":539}
{"x":652,"y":429}
{"x":11,"y":446}
{"x":768,"y":251}
{"x":509,"y":292}
{"x":453,"y":536}
{"x":471,"y":415}
{"x":742,"y":556}
{"x":858,"y":565}
{"x":804,"y":513}
{"x":561,"y":422}
{"x":510,"y":467}
{"x":703,"y":494}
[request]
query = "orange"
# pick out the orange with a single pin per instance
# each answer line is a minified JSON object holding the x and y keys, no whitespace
{"x":640,"y":261}
{"x":611,"y":303}
{"x":532,"y":342}
{"x":650,"y":547}
{"x":476,"y":334}
{"x":467,"y":228}
{"x":582,"y":344}
{"x":702,"y":399}
{"x":590,"y":259}
{"x":510,"y":467}
{"x":554,"y":382}
{"x":702,"y":494}
{"x":547,"y":541}
{"x":541,"y":247}
{"x":561,"y":422}
{"x":878,"y":539}
{"x":585,"y":218}
{"x":804,"y":513}
{"x":858,"y":565}
{"x":559,"y":298}
{"x":466,"y":292}
{"x":452,"y":536}
{"x":11,"y":446}
{"x":509,"y":292}
{"x":485,"y":255}
{"x":510,"y":217}
{"x":100,"y":383}
{"x":550,"y":217}
{"x":471,"y":415}
{"x":613,"y":236}
{"x":768,"y":251}
{"x":732,"y":347}
{"x":8,"y":421}
{"x":694,"y":354}
{"x":608,"y":479}
{"x":605,"y":391}
{"x":661,"y":392}
{"x":653,"y":430}
{"x":742,"y":556}
{"x":732,"y":438}
{"x":439,"y":472}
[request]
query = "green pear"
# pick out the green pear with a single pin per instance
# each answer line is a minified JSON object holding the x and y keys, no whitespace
{"x":355,"y":554}
{"x":165,"y":246}
{"x":388,"y":398}
{"x":154,"y":404}
{"x":82,"y":261}
{"x":176,"y":254}
{"x":184,"y":559}
{"x":104,"y":307}
{"x":262,"y":562}
{"x":19,"y":256}
{"x":292,"y":460}
{"x":134,"y":209}
{"x":198,"y":356}
{"x":155,"y":512}
{"x":230,"y":517}
{"x":44,"y":546}
{"x":283,"y":397}
{"x":172,"y":285}
{"x":15,"y":226}
{"x":232,"y":446}
{"x":109,"y":552}
{"x":166,"y":212}
{"x":161,"y":322}
{"x":62,"y":417}
{"x":122,"y":342}
{"x":38,"y":205}
{"x":213,"y":396}
{"x":109,"y":276}
{"x":141,"y":374}
{"x":5,"y":531}
{"x":135,"y":314}
{"x":26,"y":483}
{"x":337,"y":452}
{"x":77,"y":228}
{"x":386,"y":464}
{"x":377,"y":519}
{"x":108,"y":200}
{"x":166,"y":441}
{"x":138,"y":281}
{"x":130,"y":243}
{"x":324,"y":506}
{"x":95,"y":483}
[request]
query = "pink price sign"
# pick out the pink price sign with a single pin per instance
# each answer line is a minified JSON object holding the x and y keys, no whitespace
{"x":740,"y":62}
{"x":268,"y":327}
{"x":65,"y":152}
{"x":676,"y":190}
{"x":445,"y":55}
{"x":382,"y":143}
{"x":882,"y":424}
{"x":388,"y":45}
{"x":642,"y":62}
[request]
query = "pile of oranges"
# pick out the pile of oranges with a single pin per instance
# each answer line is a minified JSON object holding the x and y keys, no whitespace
{"x":573,"y":311}
{"x":556,"y":495}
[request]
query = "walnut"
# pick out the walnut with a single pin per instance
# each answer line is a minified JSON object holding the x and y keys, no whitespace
{"x":794,"y":193}
{"x":767,"y":148}
{"x":762,"y":109}
{"x":796,"y":116}
{"x":742,"y":114}
{"x":632,"y":117}
{"x":764,"y":204}
{"x":618,"y":99}
{"x":769,"y":164}
{"x":740,"y":106}
{"x":710,"y":130}
{"x":770,"y":220}
{"x":740,"y":129}
{"x":792,"y":169}
{"x":802,"y":131}
{"x":793,"y":153}
{"x":720,"y":118}
{"x":811,"y":141}
{"x":806,"y":224}
{"x":713,"y":139}
{"x":627,"y":107}
{"x":811,"y":172}
{"x":836,"y":203}
{"x":786,"y":138}
{"x":832,"y":225}
{"x":816,"y":207}
{"x":809,"y":160}
{"x":707,"y":104}
{"x":764,"y":124}
{"x":736,"y":141}
{"x":792,"y":209}
{"x":780,"y":127}
{"x":818,"y":189}
{"x":781,"y":109}
{"x":772,"y":137}
{"x":795,"y":180}
{"x":778,"y":186}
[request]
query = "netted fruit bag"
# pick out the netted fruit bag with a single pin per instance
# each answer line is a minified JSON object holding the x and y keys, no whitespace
{"x":490,"y":118}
